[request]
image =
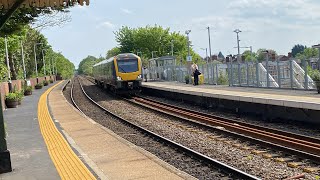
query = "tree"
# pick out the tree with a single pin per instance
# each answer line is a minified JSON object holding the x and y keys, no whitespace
{"x":113,"y":52}
{"x":14,"y":16}
{"x":153,"y":38}
{"x":261,"y":54}
{"x":308,"y":53}
{"x":86,"y":65}
{"x":248,"y":56}
{"x":297,"y":49}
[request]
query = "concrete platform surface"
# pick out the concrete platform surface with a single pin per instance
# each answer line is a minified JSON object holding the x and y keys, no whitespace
{"x":287,"y":98}
{"x":110,"y":156}
{"x":29,"y":155}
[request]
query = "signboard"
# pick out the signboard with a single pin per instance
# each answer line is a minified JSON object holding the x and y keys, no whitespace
{"x":189,"y":58}
{"x":28,"y":83}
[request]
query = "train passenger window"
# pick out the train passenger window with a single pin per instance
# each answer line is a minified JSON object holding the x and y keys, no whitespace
{"x":128,"y":65}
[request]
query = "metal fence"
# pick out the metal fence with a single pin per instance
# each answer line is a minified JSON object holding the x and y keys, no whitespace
{"x":284,"y":74}
{"x":212,"y":73}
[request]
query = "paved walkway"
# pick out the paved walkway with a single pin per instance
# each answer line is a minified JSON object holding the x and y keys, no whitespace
{"x":29,"y":155}
{"x":110,"y":156}
{"x":287,"y":98}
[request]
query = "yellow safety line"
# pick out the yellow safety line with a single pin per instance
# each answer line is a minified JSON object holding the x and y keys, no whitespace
{"x":67,"y":163}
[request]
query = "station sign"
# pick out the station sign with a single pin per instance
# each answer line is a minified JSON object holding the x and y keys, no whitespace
{"x":189,"y":58}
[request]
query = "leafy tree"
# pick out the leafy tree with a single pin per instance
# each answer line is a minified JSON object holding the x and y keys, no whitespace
{"x":153,"y":38}
{"x":297,"y":49}
{"x":249,"y":56}
{"x":64,"y":67}
{"x":308,"y":53}
{"x":261,"y":54}
{"x":113,"y":52}
{"x":86,"y":65}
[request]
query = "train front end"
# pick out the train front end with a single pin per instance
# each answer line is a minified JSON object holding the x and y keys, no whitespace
{"x":128,"y":73}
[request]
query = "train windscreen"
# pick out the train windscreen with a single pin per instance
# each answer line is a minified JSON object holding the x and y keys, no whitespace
{"x":128,"y":65}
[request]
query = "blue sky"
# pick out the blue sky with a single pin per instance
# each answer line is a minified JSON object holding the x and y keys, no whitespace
{"x":274,"y":24}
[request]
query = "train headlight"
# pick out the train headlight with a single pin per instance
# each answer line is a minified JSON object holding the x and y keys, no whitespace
{"x":139,"y":76}
{"x":119,"y":78}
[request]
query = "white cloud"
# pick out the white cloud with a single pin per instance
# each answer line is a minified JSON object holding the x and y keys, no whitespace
{"x":126,"y":11}
{"x":293,"y":10}
{"x":106,"y":24}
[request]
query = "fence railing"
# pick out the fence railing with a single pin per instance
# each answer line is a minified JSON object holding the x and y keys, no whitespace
{"x":279,"y":74}
{"x":212,"y":73}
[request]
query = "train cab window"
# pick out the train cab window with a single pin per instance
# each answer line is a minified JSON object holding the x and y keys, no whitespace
{"x":127,"y":65}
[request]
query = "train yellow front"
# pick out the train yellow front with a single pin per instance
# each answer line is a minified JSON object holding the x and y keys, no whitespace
{"x":120,"y":74}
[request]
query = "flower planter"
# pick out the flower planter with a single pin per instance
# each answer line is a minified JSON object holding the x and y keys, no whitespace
{"x":38,"y":87}
{"x":11,"y":103}
{"x":45,"y":83}
{"x":187,"y":81}
{"x":27,"y":93}
{"x":318,"y":86}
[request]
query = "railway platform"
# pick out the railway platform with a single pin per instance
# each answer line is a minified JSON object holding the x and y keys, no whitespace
{"x":270,"y":103}
{"x":56,"y":141}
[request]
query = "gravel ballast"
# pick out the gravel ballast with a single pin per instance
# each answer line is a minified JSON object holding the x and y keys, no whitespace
{"x":194,"y":137}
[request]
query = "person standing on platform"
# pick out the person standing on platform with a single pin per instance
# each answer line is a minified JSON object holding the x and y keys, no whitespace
{"x":145,"y":73}
{"x":195,"y":73}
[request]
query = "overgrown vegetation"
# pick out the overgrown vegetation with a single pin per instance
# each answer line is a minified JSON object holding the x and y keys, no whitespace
{"x":222,"y":79}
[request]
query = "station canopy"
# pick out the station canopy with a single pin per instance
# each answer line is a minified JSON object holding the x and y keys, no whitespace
{"x":7,"y":4}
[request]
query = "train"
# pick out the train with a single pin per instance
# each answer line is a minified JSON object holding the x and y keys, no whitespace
{"x":120,"y":74}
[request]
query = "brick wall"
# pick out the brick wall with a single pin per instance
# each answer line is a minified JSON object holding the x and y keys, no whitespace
{"x":18,"y":85}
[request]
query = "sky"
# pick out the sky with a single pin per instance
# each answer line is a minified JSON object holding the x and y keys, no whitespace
{"x":271,"y":24}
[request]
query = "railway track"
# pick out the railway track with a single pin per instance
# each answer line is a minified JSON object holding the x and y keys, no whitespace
{"x":228,"y":171}
{"x":303,"y":146}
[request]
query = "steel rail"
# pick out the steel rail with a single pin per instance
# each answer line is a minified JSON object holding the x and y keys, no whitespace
{"x":269,"y":130}
{"x":224,"y":167}
{"x":280,"y":147}
{"x":261,"y":134}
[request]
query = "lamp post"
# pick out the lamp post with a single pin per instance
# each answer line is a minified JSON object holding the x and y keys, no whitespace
{"x":209,"y":42}
{"x":172,"y":47}
{"x":35,"y":59}
{"x":23,"y":63}
{"x":187,"y":33}
{"x":8,"y":65}
{"x":44,"y":63}
{"x":238,"y":43}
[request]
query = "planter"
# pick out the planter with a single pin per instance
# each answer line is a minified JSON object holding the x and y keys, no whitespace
{"x":318,"y":86}
{"x":38,"y":87}
{"x":27,"y":93}
{"x":46,"y":83}
{"x":187,"y":81}
{"x":11,"y":103}
{"x":19,"y":102}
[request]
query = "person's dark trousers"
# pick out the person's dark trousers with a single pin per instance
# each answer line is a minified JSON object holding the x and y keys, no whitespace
{"x":196,"y":79}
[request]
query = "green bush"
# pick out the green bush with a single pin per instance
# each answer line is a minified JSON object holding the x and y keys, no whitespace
{"x":51,"y":81}
{"x":222,"y":79}
{"x":12,"y":96}
{"x":39,"y":85}
{"x":45,"y":83}
{"x":315,"y":75}
{"x":28,"y":88}
{"x":186,"y":77}
{"x":20,"y":94}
